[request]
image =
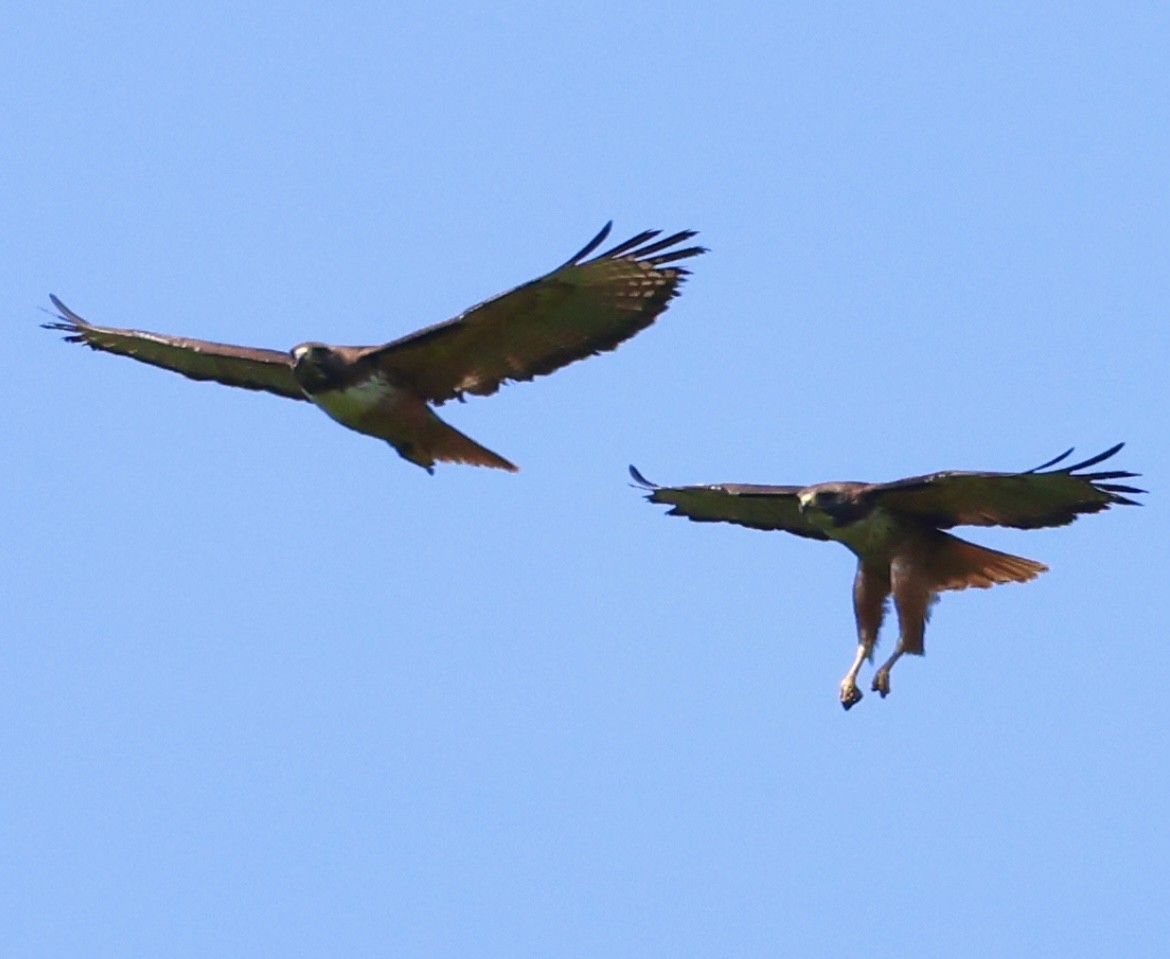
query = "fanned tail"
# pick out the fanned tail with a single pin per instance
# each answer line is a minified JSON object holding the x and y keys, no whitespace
{"x":957,"y":564}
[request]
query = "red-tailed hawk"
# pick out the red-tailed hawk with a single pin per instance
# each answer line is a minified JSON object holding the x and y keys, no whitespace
{"x":896,"y":531}
{"x":578,"y":310}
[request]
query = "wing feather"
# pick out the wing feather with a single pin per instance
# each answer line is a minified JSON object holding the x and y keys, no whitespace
{"x":252,"y":369}
{"x":1033,"y":499}
{"x":580,"y":309}
{"x":757,"y":507}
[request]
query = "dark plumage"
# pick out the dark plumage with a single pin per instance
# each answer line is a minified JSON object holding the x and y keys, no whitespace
{"x":896,"y":531}
{"x":582,"y":308}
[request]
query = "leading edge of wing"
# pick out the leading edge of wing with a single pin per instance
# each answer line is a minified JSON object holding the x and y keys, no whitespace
{"x":1031,"y":499}
{"x":230,"y":365}
{"x":625,"y":250}
{"x":744,"y":504}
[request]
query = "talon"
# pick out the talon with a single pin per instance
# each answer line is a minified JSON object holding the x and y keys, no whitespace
{"x":881,"y":682}
{"x":850,"y":696}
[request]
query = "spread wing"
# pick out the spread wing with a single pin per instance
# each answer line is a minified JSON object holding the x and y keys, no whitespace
{"x":269,"y":370}
{"x":578,"y":310}
{"x":758,"y":507}
{"x":1037,"y":498}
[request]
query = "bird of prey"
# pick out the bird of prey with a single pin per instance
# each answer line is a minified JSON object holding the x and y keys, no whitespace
{"x":580,"y":309}
{"x":896,"y":531}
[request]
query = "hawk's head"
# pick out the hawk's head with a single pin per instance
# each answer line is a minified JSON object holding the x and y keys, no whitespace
{"x":834,"y":502}
{"x":318,"y":367}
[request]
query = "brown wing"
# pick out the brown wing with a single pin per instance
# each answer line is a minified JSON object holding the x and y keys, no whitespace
{"x":757,"y":507}
{"x":252,"y":369}
{"x":1040,"y":497}
{"x":578,"y":310}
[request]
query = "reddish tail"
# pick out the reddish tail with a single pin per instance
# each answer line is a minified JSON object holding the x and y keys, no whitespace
{"x":957,"y":564}
{"x":446,"y":444}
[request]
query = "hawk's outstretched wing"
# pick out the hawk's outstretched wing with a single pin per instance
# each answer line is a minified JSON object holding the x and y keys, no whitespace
{"x":578,"y":310}
{"x":758,"y":507}
{"x":269,"y":370}
{"x":1040,"y":497}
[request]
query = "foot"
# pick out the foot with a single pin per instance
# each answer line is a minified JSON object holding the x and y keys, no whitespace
{"x":881,"y":682}
{"x":850,"y":694}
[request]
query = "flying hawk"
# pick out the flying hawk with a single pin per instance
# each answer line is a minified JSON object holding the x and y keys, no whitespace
{"x":896,"y":531}
{"x":580,"y":309}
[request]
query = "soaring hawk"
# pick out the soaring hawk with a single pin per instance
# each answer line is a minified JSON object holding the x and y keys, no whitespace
{"x":896,"y":531}
{"x":580,"y":309}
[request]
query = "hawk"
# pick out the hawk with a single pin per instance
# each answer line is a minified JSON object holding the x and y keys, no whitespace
{"x":580,"y":309}
{"x":896,"y":530}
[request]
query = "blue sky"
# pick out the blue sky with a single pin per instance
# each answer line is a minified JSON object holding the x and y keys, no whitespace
{"x":268,"y":690}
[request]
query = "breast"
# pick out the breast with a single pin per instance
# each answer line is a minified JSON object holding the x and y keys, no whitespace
{"x":874,"y":534}
{"x":363,"y":406}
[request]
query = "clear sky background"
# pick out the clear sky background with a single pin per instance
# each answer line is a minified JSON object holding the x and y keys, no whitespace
{"x":266,"y":689}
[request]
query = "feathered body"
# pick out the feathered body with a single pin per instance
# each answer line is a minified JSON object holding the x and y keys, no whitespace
{"x":582,"y":308}
{"x":897,"y":531}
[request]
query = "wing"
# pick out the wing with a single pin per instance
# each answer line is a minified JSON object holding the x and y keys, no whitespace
{"x":578,"y":310}
{"x":1040,"y":497}
{"x":757,"y":507}
{"x":269,"y":370}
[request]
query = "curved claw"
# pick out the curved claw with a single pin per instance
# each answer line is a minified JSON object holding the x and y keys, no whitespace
{"x":881,"y":682}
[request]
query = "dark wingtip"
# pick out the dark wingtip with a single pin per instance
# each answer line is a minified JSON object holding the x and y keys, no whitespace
{"x":640,"y":481}
{"x":66,"y":313}
{"x":67,"y":321}
{"x":1052,"y":462}
{"x":651,"y":248}
{"x":673,"y":256}
{"x":1094,"y":460}
{"x":589,"y":247}
{"x":1084,"y":464}
{"x":1115,"y":491}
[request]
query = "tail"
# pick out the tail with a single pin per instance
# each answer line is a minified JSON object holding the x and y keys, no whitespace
{"x":439,"y":442}
{"x":957,"y":564}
